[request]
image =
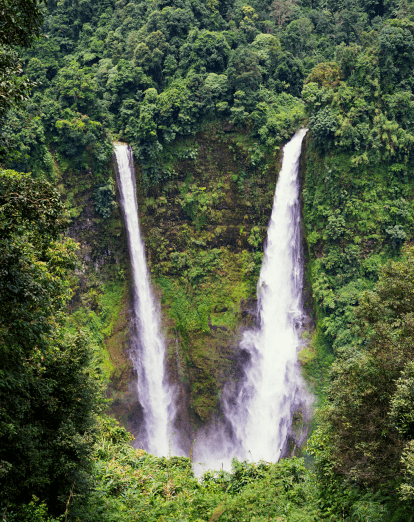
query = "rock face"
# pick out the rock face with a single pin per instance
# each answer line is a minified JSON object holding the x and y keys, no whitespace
{"x":100,"y":303}
{"x":204,"y":231}
{"x":204,"y":228}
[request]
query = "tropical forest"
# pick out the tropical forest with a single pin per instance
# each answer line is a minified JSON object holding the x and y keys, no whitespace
{"x":206,"y":260}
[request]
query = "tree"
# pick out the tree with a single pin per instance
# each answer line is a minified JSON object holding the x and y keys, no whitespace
{"x":282,"y":10}
{"x":323,"y":125}
{"x":244,"y":71}
{"x":77,"y":85}
{"x":396,"y":57}
{"x":49,"y":393}
{"x":367,"y":420}
{"x":14,"y":88}
{"x":80,"y":137}
{"x":298,"y":37}
{"x":247,"y":28}
{"x":150,"y":54}
{"x":20,"y":21}
{"x":205,"y":49}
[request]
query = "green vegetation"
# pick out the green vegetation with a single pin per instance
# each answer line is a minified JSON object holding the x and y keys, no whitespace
{"x":133,"y":485}
{"x":206,"y":93}
{"x":358,"y":210}
{"x":204,"y":252}
{"x":50,"y":390}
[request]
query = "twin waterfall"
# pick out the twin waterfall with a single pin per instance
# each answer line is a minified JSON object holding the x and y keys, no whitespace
{"x":258,"y":413}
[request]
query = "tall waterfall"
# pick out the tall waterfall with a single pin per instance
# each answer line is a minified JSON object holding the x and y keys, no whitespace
{"x":147,"y":347}
{"x":259,"y":414}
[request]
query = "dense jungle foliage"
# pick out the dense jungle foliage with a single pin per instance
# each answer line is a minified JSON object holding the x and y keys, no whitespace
{"x":206,"y":93}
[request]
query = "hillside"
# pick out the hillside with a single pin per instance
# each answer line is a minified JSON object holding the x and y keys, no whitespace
{"x":206,"y":94}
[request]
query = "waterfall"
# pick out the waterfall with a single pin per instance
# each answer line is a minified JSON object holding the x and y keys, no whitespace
{"x":147,"y":344}
{"x":259,"y":414}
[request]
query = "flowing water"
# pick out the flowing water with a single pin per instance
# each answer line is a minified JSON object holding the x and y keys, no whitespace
{"x":259,"y":414}
{"x":147,"y":343}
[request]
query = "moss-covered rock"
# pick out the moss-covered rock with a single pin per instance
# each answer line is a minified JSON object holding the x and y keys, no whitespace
{"x":204,"y":226}
{"x":204,"y":230}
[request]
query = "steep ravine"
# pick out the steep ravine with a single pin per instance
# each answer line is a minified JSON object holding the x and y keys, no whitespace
{"x":204,"y":232}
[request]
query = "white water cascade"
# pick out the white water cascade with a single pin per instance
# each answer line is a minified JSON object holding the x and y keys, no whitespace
{"x":147,"y":346}
{"x":259,"y":414}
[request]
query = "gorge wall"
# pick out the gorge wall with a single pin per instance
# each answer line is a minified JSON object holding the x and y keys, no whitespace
{"x":204,"y":233}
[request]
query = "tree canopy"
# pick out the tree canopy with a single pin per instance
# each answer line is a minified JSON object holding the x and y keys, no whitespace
{"x":49,"y":390}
